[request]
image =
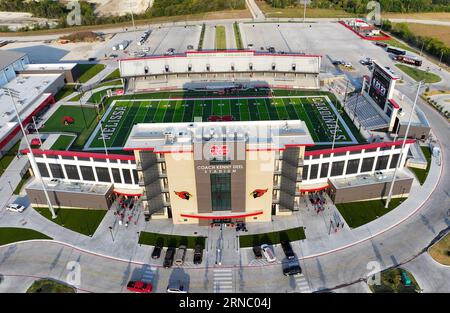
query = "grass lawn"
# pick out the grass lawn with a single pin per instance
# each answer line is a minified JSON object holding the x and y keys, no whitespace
{"x":65,"y":92}
{"x":422,"y":174}
{"x":22,"y":182}
{"x":62,"y":143}
{"x":83,"y":124}
{"x":167,"y":240}
{"x":76,"y":98}
{"x":79,"y":220}
{"x":113,"y":75}
{"x":237,"y":36}
{"x":419,"y":75}
{"x":49,"y":286}
{"x":363,"y":212}
{"x":87,"y":71}
{"x":12,"y":234}
{"x":440,"y":251}
{"x":272,"y":238}
{"x":391,"y":282}
{"x":297,"y":11}
{"x":439,"y":32}
{"x":8,"y":157}
{"x":221,"y":41}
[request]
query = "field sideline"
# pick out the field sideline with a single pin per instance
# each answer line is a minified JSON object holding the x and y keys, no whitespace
{"x":315,"y":111}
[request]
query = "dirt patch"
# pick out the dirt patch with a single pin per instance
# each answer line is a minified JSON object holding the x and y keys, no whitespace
{"x":436,"y":16}
{"x":434,"y":31}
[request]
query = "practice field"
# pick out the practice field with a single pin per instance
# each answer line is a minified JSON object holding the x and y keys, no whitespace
{"x":318,"y":112}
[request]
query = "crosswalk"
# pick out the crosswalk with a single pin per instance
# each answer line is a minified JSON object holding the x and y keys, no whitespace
{"x":256,"y":262}
{"x":302,"y":284}
{"x":223,"y":280}
{"x":148,"y":273}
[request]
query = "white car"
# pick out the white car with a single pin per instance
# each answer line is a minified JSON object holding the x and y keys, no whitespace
{"x":268,"y":253}
{"x":14,"y":207}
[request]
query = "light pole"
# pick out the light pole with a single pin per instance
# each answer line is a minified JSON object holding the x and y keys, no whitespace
{"x":304,"y":11}
{"x":403,"y":146}
{"x":32,"y":159}
{"x":37,"y":131}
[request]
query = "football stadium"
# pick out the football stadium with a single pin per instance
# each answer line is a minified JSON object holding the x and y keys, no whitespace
{"x":205,"y":137}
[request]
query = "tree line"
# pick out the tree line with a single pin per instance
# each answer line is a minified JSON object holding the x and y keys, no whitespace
{"x":55,"y":10}
{"x":359,"y":6}
{"x":432,"y":46}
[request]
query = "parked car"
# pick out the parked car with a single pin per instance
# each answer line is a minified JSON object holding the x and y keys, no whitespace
{"x":168,"y":259}
{"x":14,"y":207}
{"x":287,"y":248}
{"x":139,"y":286}
{"x":257,"y":252}
{"x":180,"y":255}
{"x":176,"y":287}
{"x":268,"y":253}
{"x":198,"y":254}
{"x":157,"y":251}
{"x":292,"y":268}
{"x":337,"y":62}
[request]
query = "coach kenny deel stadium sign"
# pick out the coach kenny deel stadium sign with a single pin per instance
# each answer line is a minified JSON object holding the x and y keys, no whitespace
{"x":220,"y":168}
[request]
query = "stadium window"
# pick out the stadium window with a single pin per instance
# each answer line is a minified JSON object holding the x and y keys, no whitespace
{"x":189,"y":67}
{"x":273,"y":66}
{"x":352,"y":166}
{"x":314,"y":171}
{"x":167,"y":68}
{"x":127,"y":176}
{"x":317,"y":156}
{"x":87,"y":173}
{"x":67,"y":157}
{"x":367,"y":165}
{"x":339,"y":153}
{"x":116,"y":175}
{"x":113,"y":161}
{"x":56,"y":170}
{"x":250,"y":66}
{"x":103,"y":174}
{"x":394,"y":160}
{"x":232,"y":67}
{"x":83,"y":159}
{"x":324,"y":170}
{"x":337,"y":168}
{"x":355,"y":151}
{"x":326,"y":155}
{"x":294,"y":67}
{"x":135,"y":176}
{"x":370,"y":150}
{"x":208,"y":68}
{"x":72,"y":172}
{"x":386,"y":148}
{"x":48,"y":156}
{"x":382,"y":162}
{"x":146,"y":70}
{"x":305,"y":172}
{"x":43,"y":169}
{"x":99,"y":160}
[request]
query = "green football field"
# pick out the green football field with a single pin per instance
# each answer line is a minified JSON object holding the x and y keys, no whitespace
{"x":317,"y":112}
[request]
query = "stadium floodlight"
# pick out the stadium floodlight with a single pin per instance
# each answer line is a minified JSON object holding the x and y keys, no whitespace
{"x":32,"y":159}
{"x":391,"y":188}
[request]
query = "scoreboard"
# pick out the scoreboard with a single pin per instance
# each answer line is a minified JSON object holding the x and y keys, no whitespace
{"x":380,"y":86}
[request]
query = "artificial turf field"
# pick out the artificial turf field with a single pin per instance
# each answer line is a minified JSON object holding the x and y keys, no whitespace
{"x":123,"y":114}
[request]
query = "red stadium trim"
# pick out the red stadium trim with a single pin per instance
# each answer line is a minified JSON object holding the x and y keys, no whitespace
{"x":313,"y":189}
{"x":81,"y":154}
{"x":213,"y":217}
{"x":394,"y":104}
{"x":128,"y":194}
{"x":379,"y":38}
{"x":358,"y":147}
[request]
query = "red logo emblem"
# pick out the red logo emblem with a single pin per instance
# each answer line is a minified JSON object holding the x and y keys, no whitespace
{"x":183,"y":195}
{"x":258,"y":193}
{"x":219,"y":150}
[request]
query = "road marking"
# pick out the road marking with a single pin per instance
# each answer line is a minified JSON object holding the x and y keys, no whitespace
{"x":302,"y":284}
{"x":223,"y":280}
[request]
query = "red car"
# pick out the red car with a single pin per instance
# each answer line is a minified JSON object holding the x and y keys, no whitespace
{"x":139,"y":286}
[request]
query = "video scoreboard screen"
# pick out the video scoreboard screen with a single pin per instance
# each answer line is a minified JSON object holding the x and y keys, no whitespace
{"x":380,"y":86}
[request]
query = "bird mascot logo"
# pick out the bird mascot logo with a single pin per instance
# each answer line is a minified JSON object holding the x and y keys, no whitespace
{"x":258,"y":193}
{"x":183,"y":195}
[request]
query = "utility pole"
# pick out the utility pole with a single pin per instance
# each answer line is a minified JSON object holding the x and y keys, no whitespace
{"x":403,"y":146}
{"x":32,"y":159}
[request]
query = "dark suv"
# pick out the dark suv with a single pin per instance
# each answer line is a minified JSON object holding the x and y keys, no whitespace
{"x":257,"y":251}
{"x":168,"y":259}
{"x":292,"y":267}
{"x":287,"y":248}
{"x":157,"y":250}
{"x":198,"y":254}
